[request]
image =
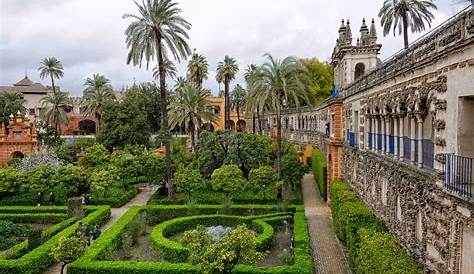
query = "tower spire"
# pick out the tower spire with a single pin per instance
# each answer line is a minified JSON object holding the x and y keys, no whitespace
{"x":373,"y":33}
{"x":348,"y":33}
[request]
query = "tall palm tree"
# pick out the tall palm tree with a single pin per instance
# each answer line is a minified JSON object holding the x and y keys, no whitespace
{"x":11,"y":103}
{"x":198,"y":69}
{"x":237,"y":101}
{"x":401,"y":14}
{"x":97,"y":93}
{"x":226,"y":71}
{"x":53,"y":68}
{"x":191,"y":107}
{"x":54,"y":109}
{"x":170,"y":69}
{"x":158,"y":29}
{"x":279,"y":82}
{"x":253,"y":103}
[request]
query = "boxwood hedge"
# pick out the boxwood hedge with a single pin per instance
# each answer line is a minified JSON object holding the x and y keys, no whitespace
{"x":358,"y":229}
{"x":38,"y":259}
{"x":319,"y":166}
{"x":94,"y":261}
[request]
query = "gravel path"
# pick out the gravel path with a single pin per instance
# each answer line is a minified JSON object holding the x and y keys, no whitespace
{"x":328,"y":255}
{"x":140,"y":199}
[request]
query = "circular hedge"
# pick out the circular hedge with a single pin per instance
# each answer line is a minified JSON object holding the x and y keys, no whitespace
{"x":174,"y":251}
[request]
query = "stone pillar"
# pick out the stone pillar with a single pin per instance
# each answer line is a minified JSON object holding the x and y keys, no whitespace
{"x":420,"y":140}
{"x":382,"y":132}
{"x":395,"y":137}
{"x":402,"y":141}
{"x":413,"y":139}
{"x":376,"y":139}
{"x":387,"y":134}
{"x":367,"y":130}
{"x":335,"y":145}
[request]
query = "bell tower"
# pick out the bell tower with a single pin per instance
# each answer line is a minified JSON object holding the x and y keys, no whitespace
{"x":350,"y":61}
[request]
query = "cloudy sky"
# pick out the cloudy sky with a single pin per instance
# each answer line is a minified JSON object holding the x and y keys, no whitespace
{"x":87,"y":35}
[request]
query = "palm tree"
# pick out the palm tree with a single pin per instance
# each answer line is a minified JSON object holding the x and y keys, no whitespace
{"x":401,"y":14}
{"x":170,"y":69}
{"x":226,"y":71}
{"x":53,"y":68}
{"x":253,"y":102}
{"x":198,"y":69}
{"x":97,"y":93}
{"x":11,"y":103}
{"x":191,"y":107}
{"x":158,"y":29}
{"x":237,"y":100}
{"x":54,"y":109}
{"x":278,"y":82}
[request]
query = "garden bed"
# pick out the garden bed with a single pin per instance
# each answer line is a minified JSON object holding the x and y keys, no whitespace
{"x":107,"y":255}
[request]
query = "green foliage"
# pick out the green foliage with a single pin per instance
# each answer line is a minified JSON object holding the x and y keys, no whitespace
{"x":115,"y":197}
{"x":11,"y":103}
{"x":321,"y":79}
{"x":10,"y":180}
{"x":319,"y":165}
{"x":75,"y":207}
{"x":103,"y":179}
{"x":292,"y":170}
{"x":380,"y":253}
{"x":39,"y":178}
{"x":188,"y":180}
{"x":94,"y":156}
{"x":228,"y":179}
{"x":153,"y":167}
{"x":263,"y":179}
{"x":9,"y":231}
{"x":69,"y":249}
{"x":124,"y":123}
{"x":71,"y":178}
{"x":371,"y":248}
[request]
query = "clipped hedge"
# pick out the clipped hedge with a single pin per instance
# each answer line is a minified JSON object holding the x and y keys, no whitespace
{"x":358,"y":228}
{"x":93,"y":261}
{"x":319,"y":166}
{"x":38,"y":259}
{"x":44,"y":218}
{"x":116,"y":199}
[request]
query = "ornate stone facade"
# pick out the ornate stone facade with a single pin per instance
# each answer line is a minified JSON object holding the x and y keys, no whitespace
{"x":17,"y":139}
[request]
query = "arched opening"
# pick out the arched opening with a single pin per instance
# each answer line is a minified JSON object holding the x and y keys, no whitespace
{"x":17,"y":155}
{"x":87,"y":127}
{"x":359,"y":70}
{"x":232,"y":125}
{"x":241,"y":125}
{"x":208,"y":127}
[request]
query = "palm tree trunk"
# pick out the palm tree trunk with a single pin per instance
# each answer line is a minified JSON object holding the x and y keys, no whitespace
{"x":97,"y":124}
{"x":405,"y":31}
{"x":164,"y":112}
{"x":238,"y":119}
{"x":52,"y":84}
{"x":259,"y":121}
{"x":253,"y":123}
{"x":193,"y":141}
{"x":279,"y":136}
{"x":226,"y":105}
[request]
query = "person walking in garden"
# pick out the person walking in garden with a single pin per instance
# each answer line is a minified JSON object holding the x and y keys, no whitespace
{"x":52,"y":199}
{"x":95,"y":233}
{"x":39,"y":198}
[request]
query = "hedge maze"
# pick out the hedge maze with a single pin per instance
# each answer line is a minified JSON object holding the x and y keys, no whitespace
{"x":27,"y":259}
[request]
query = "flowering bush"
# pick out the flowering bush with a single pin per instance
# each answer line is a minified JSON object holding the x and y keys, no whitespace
{"x":48,"y":159}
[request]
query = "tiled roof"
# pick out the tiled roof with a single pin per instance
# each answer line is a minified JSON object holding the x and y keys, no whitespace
{"x":24,"y":82}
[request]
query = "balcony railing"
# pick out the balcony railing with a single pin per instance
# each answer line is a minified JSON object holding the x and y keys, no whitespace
{"x":458,"y":177}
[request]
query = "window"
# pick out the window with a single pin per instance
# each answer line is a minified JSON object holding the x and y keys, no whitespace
{"x":359,"y":71}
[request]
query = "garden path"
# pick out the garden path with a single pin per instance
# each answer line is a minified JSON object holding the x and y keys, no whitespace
{"x":328,"y":254}
{"x":140,"y":199}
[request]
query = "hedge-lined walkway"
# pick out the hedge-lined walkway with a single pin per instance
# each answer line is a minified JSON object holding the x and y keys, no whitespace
{"x":140,"y":199}
{"x":328,"y":256}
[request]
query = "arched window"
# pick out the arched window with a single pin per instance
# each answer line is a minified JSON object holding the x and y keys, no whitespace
{"x":359,"y":70}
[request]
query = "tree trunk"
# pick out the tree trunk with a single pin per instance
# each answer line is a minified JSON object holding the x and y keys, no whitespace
{"x":197,"y":137}
{"x":279,"y":136}
{"x":253,"y":123}
{"x":259,"y":121}
{"x":238,"y":120}
{"x":193,"y":141}
{"x":405,"y":31}
{"x":226,"y":105}
{"x":62,"y":267}
{"x":97,"y":124}
{"x":164,"y":112}
{"x":52,"y":84}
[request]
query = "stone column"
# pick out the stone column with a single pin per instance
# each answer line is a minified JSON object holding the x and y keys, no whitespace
{"x":387,"y":134}
{"x":367,"y":130}
{"x":395,"y":137}
{"x":376,"y":140}
{"x":413,"y":139}
{"x":402,"y":141}
{"x":420,"y":140}
{"x":382,"y":132}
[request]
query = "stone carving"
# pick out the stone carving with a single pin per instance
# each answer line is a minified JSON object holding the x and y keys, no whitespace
{"x":440,"y":104}
{"x":439,"y":141}
{"x":440,"y":124}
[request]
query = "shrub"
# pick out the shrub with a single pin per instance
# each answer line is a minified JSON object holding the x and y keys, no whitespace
{"x":72,"y":179}
{"x":10,"y":180}
{"x":35,"y":238}
{"x":68,"y":250}
{"x":93,"y":156}
{"x":292,"y":170}
{"x":319,"y":165}
{"x":380,"y":253}
{"x":40,"y":178}
{"x":263,"y":179}
{"x":228,"y":179}
{"x":40,"y":159}
{"x":153,"y":167}
{"x":103,"y":179}
{"x":188,"y":180}
{"x":116,"y":197}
